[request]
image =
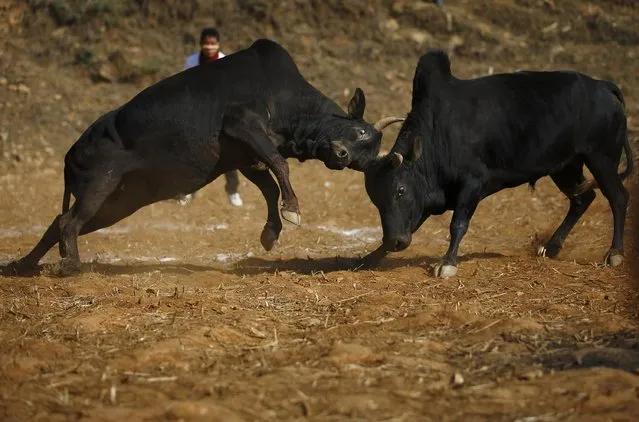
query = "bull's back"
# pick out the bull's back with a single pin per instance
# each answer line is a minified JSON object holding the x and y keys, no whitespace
{"x":178,"y":119}
{"x":531,"y":121}
{"x":188,"y":106}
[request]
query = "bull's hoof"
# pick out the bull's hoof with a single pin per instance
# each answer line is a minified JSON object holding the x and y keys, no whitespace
{"x":549,"y":250}
{"x":371,"y":260}
{"x":292,"y":217}
{"x":268,"y":238}
{"x":185,"y":199}
{"x":67,"y":267}
{"x":614,"y":258}
{"x":444,"y":270}
{"x":235,"y":199}
{"x":365,"y":263}
{"x":21,"y":268}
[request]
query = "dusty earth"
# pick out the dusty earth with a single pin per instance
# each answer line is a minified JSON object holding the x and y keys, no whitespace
{"x":180,"y":315}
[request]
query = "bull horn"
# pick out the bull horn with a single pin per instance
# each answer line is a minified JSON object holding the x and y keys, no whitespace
{"x":382,"y":153}
{"x":386,"y":121}
{"x":398,"y":159}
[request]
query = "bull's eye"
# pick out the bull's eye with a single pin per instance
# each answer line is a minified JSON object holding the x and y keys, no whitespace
{"x":362,"y":134}
{"x":400,"y":191}
{"x":362,"y":131}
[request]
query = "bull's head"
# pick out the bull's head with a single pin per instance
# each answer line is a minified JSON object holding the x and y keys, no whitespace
{"x":354,"y":142}
{"x":398,"y":190}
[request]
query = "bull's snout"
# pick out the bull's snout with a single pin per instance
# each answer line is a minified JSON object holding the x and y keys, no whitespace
{"x":397,"y":243}
{"x":341,"y":153}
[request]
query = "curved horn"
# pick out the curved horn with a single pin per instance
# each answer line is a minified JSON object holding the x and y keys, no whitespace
{"x":398,"y":159}
{"x":386,"y":121}
{"x":382,"y":153}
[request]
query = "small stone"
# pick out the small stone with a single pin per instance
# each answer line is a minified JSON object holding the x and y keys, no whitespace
{"x":392,"y":25}
{"x":106,"y":73}
{"x":531,"y":375}
{"x":419,"y":37}
{"x":23,"y":89}
{"x":455,"y":42}
{"x":457,"y":380}
{"x":57,"y":97}
{"x":3,"y":81}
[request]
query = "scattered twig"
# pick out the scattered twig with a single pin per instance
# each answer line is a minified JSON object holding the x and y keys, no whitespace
{"x":485,"y":327}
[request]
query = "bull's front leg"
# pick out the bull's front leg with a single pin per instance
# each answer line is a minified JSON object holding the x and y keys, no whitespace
{"x":372,"y":259}
{"x":246,"y":125}
{"x":264,"y":181}
{"x":466,"y":205}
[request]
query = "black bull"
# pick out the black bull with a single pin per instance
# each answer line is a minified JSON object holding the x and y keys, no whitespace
{"x":464,"y":140}
{"x":249,"y":111}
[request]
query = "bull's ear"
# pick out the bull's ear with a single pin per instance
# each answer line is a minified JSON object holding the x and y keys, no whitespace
{"x":417,"y":148}
{"x":357,"y":105}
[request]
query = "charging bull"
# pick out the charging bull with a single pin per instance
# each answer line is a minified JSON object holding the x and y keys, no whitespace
{"x":250,"y":112}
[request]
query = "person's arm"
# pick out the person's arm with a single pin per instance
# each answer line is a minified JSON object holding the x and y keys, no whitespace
{"x":191,"y":61}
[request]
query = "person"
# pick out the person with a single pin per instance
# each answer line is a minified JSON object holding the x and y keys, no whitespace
{"x":210,"y":51}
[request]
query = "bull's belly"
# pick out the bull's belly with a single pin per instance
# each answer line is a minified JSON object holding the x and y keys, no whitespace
{"x":149,"y":185}
{"x":511,"y":177}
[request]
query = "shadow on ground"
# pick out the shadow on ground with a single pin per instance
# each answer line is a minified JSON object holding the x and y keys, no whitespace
{"x":254,"y":266}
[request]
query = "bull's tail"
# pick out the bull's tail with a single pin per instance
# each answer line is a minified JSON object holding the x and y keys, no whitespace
{"x":629,"y":161}
{"x":591,"y":184}
{"x":68,"y":182}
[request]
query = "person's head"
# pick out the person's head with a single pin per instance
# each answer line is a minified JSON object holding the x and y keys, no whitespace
{"x":209,"y":42}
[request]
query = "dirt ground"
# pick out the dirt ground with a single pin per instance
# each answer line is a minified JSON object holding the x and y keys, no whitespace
{"x":180,"y":315}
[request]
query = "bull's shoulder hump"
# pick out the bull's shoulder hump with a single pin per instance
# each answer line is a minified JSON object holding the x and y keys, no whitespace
{"x":434,"y":61}
{"x":265,"y":46}
{"x":271,"y":52}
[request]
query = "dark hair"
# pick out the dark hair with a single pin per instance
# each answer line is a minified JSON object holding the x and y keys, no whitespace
{"x":209,"y":32}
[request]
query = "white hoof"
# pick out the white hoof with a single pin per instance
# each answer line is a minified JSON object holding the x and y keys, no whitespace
{"x":185,"y":200}
{"x":236,"y":200}
{"x":292,"y":217}
{"x":541,"y":251}
{"x":614,"y":260}
{"x":445,"y":271}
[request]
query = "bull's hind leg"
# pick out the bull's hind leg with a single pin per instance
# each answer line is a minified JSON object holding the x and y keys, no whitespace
{"x":604,"y":170}
{"x":264,"y":181}
{"x":88,"y":202}
{"x":232,"y":188}
{"x":28,"y":264}
{"x":567,"y":180}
